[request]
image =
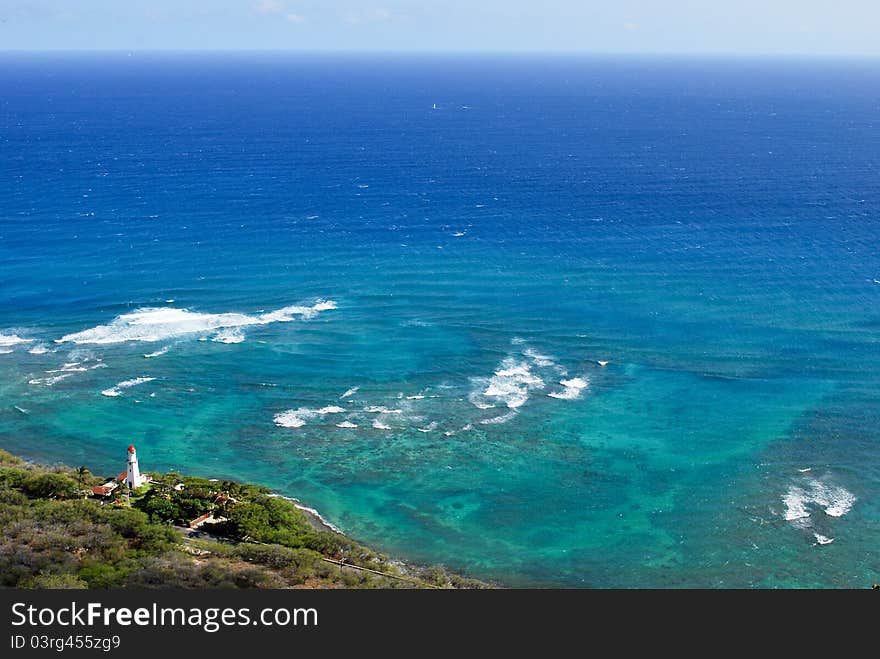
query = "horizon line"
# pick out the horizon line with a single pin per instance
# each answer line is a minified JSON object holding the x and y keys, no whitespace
{"x":448,"y":53}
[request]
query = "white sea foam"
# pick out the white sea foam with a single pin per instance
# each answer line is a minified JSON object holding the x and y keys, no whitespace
{"x":834,"y":500}
{"x":232,"y":335}
{"x":538,"y":359}
{"x":822,"y":539}
{"x":381,"y":409}
{"x":67,"y":370}
{"x":9,"y":340}
{"x":416,"y":397}
{"x":795,"y":501}
{"x":69,"y":367}
{"x":476,"y":399}
{"x":48,"y":382}
{"x":510,"y":385}
{"x":157,"y":353}
{"x":39,"y":349}
{"x":504,"y":418}
{"x":572,"y":389}
{"x":350,"y":392}
{"x":431,"y":426}
{"x":6,"y":351}
{"x":297,"y":418}
{"x":319,"y":516}
{"x":21,"y":409}
{"x":125,"y":384}
{"x":330,"y":409}
{"x":289,"y":419}
{"x":378,"y":425}
{"x":159,"y":324}
{"x":346,"y":424}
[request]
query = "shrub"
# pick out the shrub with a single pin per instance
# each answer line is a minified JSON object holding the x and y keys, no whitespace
{"x":50,"y":485}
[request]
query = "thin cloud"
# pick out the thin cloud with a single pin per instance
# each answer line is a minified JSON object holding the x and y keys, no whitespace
{"x":295,"y":18}
{"x":269,"y":7}
{"x":376,"y":15}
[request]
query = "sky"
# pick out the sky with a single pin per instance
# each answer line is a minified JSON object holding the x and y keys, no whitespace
{"x":739,"y":27}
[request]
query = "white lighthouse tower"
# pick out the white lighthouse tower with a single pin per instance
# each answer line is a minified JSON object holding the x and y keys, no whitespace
{"x":133,"y":476}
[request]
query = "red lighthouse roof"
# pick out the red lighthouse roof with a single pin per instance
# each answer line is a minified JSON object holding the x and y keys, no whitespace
{"x":131,"y":448}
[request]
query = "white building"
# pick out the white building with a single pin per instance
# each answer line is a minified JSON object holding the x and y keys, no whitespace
{"x":132,"y":474}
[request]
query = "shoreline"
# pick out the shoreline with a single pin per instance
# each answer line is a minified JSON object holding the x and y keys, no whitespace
{"x":325,"y":541}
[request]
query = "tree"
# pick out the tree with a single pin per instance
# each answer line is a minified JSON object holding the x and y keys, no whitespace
{"x":82,"y":473}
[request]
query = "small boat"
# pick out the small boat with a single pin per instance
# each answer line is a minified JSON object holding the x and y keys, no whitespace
{"x":602,"y":364}
{"x":434,"y":107}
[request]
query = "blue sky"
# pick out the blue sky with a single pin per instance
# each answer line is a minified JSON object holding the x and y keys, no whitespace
{"x":749,"y":27}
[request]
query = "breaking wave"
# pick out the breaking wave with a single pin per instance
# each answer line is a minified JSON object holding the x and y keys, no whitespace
{"x":572,"y":389}
{"x":297,"y":418}
{"x":159,"y":324}
{"x":9,"y":340}
{"x":125,"y":384}
{"x":802,"y":500}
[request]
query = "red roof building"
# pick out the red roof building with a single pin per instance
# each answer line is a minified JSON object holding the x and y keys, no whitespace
{"x":104,"y":490}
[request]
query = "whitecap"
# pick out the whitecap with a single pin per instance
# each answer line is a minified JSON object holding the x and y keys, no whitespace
{"x":233,"y":335}
{"x":795,"y":501}
{"x":330,"y":409}
{"x":822,"y":539}
{"x":158,"y":324}
{"x":125,"y":384}
{"x":538,"y":359}
{"x":5,"y":351}
{"x":350,"y":392}
{"x":9,"y":340}
{"x":297,"y":418}
{"x":476,"y":398}
{"x":289,"y":419}
{"x":39,"y":349}
{"x":346,"y":424}
{"x":572,"y":389}
{"x":378,"y":425}
{"x":834,"y":500}
{"x":511,"y":385}
{"x":157,"y":353}
{"x":380,"y":409}
{"x":431,"y":426}
{"x":48,"y":382}
{"x":504,"y":418}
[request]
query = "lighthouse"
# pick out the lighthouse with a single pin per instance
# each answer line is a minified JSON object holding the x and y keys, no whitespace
{"x":133,"y":476}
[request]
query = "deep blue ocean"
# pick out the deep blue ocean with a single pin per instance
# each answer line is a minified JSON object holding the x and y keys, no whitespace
{"x":548,"y":321}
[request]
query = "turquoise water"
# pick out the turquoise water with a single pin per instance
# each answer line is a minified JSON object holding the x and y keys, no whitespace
{"x":305,"y":245}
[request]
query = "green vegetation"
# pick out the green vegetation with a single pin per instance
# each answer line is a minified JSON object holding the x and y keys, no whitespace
{"x":53,"y":534}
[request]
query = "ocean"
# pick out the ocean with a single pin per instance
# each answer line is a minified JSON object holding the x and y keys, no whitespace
{"x":549,"y":321}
